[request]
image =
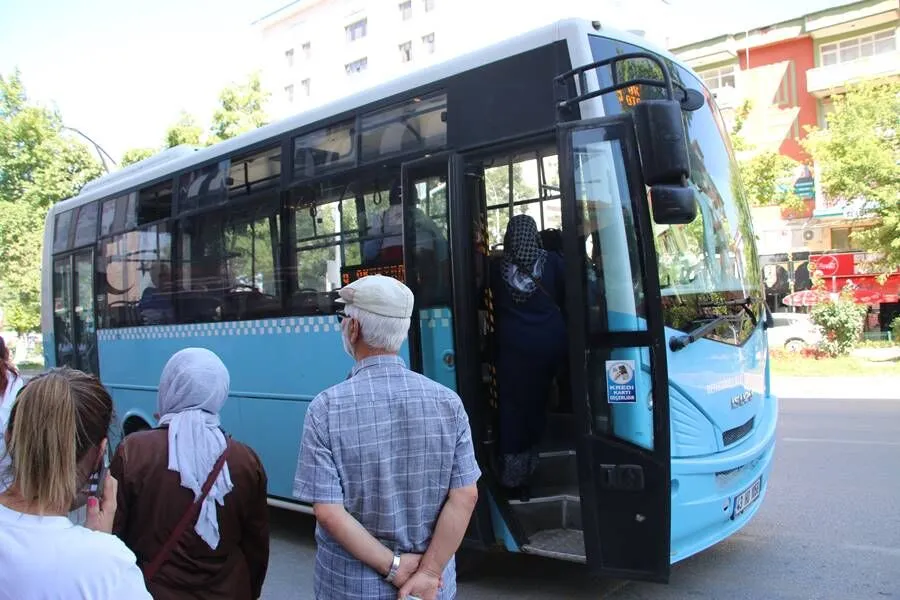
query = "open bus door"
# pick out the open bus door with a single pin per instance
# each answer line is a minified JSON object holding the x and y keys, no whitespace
{"x":618,"y":360}
{"x":443,"y":335}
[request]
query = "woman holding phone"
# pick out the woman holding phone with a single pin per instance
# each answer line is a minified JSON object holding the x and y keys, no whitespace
{"x":56,"y":439}
{"x":192,"y":502}
{"x":10,"y":384}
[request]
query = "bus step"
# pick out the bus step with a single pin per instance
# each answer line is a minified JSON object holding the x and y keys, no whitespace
{"x":562,"y":544}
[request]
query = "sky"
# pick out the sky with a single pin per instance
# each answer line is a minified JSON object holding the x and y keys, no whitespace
{"x":122,"y":70}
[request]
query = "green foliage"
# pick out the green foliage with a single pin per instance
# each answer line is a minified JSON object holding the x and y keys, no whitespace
{"x":241,"y":109}
{"x":895,"y":330}
{"x":841,"y":321}
{"x":184,"y":131}
{"x":39,"y":166}
{"x":497,"y":186}
{"x":768,"y":179}
{"x":740,"y":117}
{"x":134,"y":155}
{"x":858,"y":157}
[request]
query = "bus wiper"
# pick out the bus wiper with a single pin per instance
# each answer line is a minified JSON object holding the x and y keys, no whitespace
{"x":677,"y":342}
{"x":745,"y":303}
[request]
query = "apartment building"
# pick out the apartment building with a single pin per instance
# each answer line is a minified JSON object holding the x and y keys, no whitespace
{"x":788,"y":72}
{"x":315,"y":51}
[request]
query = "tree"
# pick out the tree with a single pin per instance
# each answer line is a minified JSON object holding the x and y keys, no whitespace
{"x":241,"y":109}
{"x":858,"y":158}
{"x":768,"y":179}
{"x":184,"y":131}
{"x":134,"y":155}
{"x":39,"y":166}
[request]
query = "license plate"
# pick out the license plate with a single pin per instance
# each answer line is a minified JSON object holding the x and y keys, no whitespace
{"x":747,"y":497}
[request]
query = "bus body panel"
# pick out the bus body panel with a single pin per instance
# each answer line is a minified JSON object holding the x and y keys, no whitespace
{"x":279,"y":365}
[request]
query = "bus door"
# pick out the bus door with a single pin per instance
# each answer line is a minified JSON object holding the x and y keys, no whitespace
{"x":618,"y":369}
{"x":426,"y":249}
{"x":444,"y":325}
{"x":74,"y":326}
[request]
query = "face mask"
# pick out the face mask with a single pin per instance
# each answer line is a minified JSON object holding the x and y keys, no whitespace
{"x":348,"y":348}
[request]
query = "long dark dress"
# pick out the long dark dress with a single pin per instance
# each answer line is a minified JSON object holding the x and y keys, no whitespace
{"x":531,"y":348}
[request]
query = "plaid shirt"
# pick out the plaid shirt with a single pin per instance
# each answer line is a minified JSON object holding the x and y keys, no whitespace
{"x":388,"y":444}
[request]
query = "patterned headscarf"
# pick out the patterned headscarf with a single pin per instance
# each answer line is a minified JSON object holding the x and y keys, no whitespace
{"x":523,"y":257}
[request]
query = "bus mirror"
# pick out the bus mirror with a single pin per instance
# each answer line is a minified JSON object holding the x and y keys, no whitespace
{"x":673,"y":204}
{"x":662,"y":141}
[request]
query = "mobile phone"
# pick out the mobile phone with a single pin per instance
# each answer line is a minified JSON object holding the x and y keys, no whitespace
{"x":97,"y":480}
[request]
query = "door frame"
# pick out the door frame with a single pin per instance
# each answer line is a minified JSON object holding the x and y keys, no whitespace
{"x":462,"y":304}
{"x":70,"y":257}
{"x":599,"y":483}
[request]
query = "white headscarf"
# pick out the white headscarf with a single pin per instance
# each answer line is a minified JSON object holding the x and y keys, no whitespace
{"x":192,"y":391}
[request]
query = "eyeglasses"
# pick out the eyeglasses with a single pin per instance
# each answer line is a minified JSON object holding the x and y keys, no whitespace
{"x":341,"y":315}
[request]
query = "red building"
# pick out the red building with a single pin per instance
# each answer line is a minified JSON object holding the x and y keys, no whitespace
{"x":786,"y":73}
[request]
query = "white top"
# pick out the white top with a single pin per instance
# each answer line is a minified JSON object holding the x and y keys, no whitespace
{"x":49,"y":558}
{"x":13,"y":386}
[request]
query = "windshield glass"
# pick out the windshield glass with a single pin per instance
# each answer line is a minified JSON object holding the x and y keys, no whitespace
{"x":712,"y":259}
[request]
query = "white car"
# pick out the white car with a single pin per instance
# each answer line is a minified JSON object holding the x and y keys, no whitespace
{"x":793,"y":332}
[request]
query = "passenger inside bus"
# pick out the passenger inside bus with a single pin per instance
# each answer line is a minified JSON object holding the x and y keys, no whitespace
{"x":155,"y":305}
{"x":529,"y":291}
{"x":385,"y":243}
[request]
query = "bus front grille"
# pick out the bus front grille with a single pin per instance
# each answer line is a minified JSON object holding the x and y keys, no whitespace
{"x":738,"y":433}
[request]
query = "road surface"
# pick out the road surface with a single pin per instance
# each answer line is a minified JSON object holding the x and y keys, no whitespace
{"x":829,"y":527}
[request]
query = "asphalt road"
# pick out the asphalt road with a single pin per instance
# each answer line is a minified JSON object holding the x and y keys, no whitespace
{"x":829,"y":527}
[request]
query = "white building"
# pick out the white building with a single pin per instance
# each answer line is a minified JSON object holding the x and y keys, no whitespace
{"x":317,"y":50}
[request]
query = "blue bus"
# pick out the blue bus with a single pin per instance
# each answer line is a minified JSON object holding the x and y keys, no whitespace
{"x":661,"y":432}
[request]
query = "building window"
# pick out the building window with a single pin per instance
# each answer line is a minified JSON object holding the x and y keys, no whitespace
{"x":717,"y":79}
{"x":882,"y":42}
{"x":406,"y":10}
{"x":289,"y":93}
{"x":307,"y":50}
{"x":356,"y":31}
{"x":428,"y":42}
{"x":840,"y":238}
{"x":289,"y":58}
{"x":429,"y":5}
{"x":357,"y":66}
{"x":305,"y":86}
{"x":406,"y":52}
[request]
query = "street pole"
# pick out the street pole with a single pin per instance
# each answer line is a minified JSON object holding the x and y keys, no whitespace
{"x":103,"y":154}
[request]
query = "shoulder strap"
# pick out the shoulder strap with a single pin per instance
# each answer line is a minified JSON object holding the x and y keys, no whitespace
{"x":161,"y":556}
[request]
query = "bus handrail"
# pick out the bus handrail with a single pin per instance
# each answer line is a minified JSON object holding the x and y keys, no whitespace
{"x":667,"y":83}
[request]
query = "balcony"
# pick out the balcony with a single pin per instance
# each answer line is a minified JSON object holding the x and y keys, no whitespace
{"x":824,"y":81}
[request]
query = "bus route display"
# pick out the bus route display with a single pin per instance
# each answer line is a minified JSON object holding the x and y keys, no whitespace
{"x":351,"y":274}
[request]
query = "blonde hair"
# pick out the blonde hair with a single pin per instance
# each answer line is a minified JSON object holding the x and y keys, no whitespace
{"x":57,"y":419}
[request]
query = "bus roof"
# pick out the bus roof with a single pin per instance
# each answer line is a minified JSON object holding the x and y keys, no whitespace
{"x":173,"y":160}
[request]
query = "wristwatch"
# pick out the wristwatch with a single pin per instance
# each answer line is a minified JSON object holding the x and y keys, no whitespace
{"x":395,"y":566}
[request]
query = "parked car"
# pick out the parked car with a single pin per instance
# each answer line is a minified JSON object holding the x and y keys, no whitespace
{"x":793,"y":332}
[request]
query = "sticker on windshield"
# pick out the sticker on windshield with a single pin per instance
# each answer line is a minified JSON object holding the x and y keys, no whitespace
{"x":620,"y":381}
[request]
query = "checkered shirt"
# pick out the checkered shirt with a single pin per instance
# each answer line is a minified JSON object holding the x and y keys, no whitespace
{"x":388,"y":444}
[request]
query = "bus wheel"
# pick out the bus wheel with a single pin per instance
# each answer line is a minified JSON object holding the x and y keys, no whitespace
{"x":133,"y":425}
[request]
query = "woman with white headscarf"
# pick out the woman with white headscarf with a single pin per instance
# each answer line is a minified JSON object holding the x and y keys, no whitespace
{"x":223,"y":550}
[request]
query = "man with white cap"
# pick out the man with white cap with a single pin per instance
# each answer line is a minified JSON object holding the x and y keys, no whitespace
{"x":386,"y":461}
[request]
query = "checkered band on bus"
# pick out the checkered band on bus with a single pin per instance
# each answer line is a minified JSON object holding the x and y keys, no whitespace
{"x":436,"y":318}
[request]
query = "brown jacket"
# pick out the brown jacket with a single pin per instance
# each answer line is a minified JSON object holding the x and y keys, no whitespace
{"x":151,"y":501}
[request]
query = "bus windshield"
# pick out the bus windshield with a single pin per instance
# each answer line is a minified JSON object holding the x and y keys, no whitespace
{"x":714,"y":257}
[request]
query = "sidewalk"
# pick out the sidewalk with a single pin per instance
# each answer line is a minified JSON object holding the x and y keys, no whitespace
{"x":847,"y":388}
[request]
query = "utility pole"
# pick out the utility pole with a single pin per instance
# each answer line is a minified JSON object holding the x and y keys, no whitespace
{"x":103,"y":154}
